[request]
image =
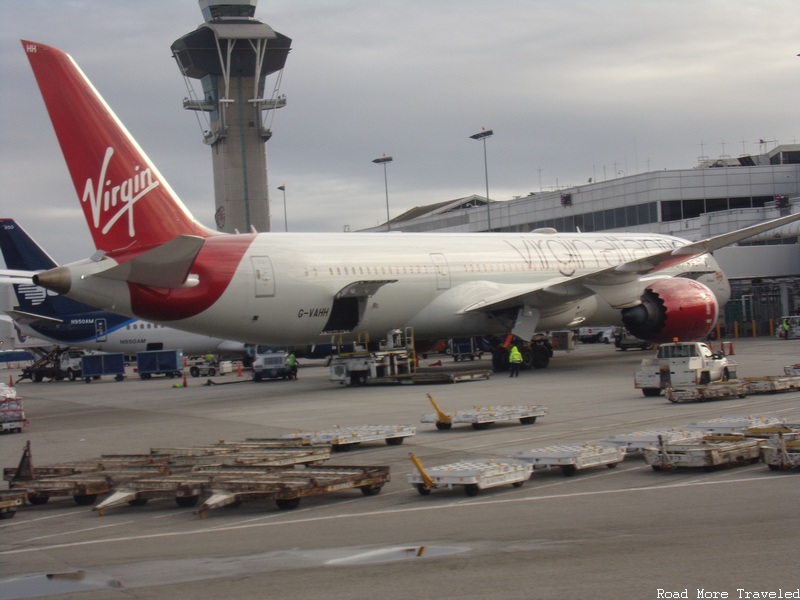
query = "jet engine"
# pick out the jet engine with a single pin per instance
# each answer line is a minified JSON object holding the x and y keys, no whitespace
{"x":673,"y":308}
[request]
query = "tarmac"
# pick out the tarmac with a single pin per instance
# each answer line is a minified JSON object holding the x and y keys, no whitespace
{"x":622,"y":533}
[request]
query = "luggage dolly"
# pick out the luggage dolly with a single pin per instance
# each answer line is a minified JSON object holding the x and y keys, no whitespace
{"x":473,"y":474}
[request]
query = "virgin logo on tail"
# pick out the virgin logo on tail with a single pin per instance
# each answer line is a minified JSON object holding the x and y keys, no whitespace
{"x":116,"y":199}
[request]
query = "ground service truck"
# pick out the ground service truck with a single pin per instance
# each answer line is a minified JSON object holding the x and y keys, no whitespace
{"x":682,"y":364}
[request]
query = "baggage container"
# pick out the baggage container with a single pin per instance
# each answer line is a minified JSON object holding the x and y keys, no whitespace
{"x":95,"y":366}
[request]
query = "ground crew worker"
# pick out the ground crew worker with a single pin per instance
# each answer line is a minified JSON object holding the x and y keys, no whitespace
{"x":785,"y":328}
{"x":515,"y":360}
{"x":291,"y":362}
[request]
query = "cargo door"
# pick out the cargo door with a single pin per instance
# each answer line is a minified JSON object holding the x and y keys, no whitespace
{"x":442,"y":271}
{"x":264,"y":276}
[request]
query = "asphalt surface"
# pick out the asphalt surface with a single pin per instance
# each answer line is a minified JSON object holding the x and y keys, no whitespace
{"x":628,"y":532}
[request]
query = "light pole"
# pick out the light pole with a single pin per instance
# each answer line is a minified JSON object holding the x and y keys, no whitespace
{"x":482,"y":135}
{"x":282,"y":187}
{"x":382,"y":161}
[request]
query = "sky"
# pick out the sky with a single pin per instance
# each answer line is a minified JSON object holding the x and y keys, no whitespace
{"x":573,"y":89}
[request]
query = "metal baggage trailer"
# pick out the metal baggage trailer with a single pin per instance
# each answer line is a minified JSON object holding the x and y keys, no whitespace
{"x":717,"y":390}
{"x":10,"y":501}
{"x":342,"y":439}
{"x":230,"y":485}
{"x":94,"y":366}
{"x":474,"y":474}
{"x":782,"y":450}
{"x":708,"y":453}
{"x":773,"y":384}
{"x":638,"y":440}
{"x":252,"y":451}
{"x":573,"y":457}
{"x":481,"y":417}
{"x":734,"y":424}
{"x":287,"y":487}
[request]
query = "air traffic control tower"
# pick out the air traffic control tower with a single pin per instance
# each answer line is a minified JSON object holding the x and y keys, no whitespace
{"x":232,"y":54}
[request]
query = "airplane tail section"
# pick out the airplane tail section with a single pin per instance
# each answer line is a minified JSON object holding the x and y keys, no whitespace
{"x":33,"y":303}
{"x":19,"y":250}
{"x":127,"y":203}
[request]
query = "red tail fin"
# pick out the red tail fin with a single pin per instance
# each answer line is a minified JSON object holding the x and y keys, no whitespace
{"x":126,"y":201}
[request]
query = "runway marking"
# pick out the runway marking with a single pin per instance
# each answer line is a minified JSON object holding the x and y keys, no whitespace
{"x":37,"y":519}
{"x":449,"y":506}
{"x":44,"y":537}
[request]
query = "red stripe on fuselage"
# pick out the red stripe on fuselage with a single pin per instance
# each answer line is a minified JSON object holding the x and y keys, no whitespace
{"x":215,"y":267}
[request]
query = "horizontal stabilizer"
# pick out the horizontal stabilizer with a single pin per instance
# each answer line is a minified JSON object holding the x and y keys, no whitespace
{"x":13,"y":276}
{"x":28,"y":318}
{"x":166,"y":266}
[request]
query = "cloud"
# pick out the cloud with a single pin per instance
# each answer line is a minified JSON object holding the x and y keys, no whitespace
{"x":573,"y":89}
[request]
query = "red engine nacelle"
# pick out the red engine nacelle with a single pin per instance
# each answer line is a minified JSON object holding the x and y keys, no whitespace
{"x":673,"y":308}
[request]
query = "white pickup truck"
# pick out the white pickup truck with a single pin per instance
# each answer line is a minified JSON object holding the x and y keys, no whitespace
{"x":682,"y":364}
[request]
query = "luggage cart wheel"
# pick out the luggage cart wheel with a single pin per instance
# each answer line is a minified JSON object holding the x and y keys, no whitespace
{"x":186,"y":501}
{"x":371,"y":490}
{"x":287,"y":503}
{"x":423,"y":491}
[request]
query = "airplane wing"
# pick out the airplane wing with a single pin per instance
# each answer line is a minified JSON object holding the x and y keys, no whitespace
{"x":608,"y":282}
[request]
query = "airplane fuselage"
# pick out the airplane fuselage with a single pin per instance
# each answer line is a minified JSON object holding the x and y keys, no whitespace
{"x":299,"y":288}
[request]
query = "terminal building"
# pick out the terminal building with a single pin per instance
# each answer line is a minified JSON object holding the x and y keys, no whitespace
{"x":714,"y":197}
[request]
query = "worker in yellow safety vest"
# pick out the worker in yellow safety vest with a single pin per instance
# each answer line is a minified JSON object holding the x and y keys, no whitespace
{"x":515,"y":360}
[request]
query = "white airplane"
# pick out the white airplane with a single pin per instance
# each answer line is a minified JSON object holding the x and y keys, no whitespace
{"x":156,"y":262}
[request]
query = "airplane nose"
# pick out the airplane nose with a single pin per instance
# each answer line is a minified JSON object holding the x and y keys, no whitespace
{"x":58,"y":280}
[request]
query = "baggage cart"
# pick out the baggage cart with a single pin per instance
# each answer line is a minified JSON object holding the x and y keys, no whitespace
{"x":465,"y":348}
{"x":717,"y":390}
{"x":10,"y":501}
{"x":231,"y":485}
{"x":772,"y":385}
{"x":287,"y":487}
{"x":734,"y":424}
{"x":707,"y":453}
{"x":638,"y":440}
{"x":474,"y":474}
{"x":12,"y":414}
{"x":782,"y":450}
{"x":572,"y":457}
{"x":159,"y":362}
{"x":342,"y":439}
{"x":481,"y":417}
{"x":95,"y":366}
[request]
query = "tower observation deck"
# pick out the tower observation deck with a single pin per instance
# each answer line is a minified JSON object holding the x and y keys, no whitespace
{"x":232,"y":54}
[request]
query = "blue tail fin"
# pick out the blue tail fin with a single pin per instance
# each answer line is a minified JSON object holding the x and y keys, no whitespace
{"x":19,"y":251}
{"x":22,"y":253}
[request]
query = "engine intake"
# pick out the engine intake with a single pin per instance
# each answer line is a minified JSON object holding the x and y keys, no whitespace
{"x":673,"y":308}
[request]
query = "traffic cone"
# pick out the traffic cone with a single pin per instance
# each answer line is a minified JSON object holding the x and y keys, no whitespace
{"x":185,"y":383}
{"x":239,"y":370}
{"x":10,"y":381}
